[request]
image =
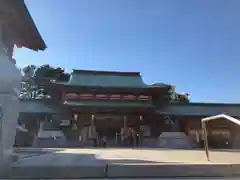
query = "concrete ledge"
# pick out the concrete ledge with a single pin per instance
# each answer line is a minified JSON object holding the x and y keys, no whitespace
{"x":56,"y":172}
{"x":58,"y":166}
{"x":34,"y":150}
{"x":235,"y":169}
{"x":123,"y":171}
{"x":153,"y":171}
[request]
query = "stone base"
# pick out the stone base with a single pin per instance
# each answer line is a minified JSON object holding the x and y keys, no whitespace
{"x":10,"y":106}
{"x":170,"y":171}
{"x":149,"y":142}
{"x":174,"y":140}
{"x":6,"y":161}
{"x":50,"y":143}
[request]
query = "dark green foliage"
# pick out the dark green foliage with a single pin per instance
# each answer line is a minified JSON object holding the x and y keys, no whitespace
{"x":46,"y":73}
{"x":36,"y":79}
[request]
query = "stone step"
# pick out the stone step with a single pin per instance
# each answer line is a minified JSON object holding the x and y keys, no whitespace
{"x":123,"y":171}
{"x":170,"y":171}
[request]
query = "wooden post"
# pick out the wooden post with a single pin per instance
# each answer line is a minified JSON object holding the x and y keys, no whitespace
{"x":124,"y":122}
{"x":92,"y":129}
{"x":205,"y":140}
{"x":39,"y":126}
{"x":140,"y":123}
{"x":124,"y":127}
{"x":139,"y":134}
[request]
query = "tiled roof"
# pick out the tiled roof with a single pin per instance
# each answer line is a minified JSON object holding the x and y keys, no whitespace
{"x":200,"y":109}
{"x":107,"y":79}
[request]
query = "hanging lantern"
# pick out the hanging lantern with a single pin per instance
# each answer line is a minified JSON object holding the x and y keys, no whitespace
{"x":92,"y":120}
{"x":141,"y":118}
{"x":75,"y":116}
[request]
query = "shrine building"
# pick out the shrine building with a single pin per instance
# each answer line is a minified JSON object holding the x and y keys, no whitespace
{"x":113,"y":104}
{"x":118,"y":106}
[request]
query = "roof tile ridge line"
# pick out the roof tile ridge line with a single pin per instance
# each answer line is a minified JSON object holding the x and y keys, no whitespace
{"x":121,"y":73}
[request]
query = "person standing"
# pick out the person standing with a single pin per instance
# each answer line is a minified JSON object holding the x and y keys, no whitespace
{"x":95,"y":140}
{"x":137,"y":139}
{"x":131,"y":138}
{"x":117,"y":138}
{"x":104,"y":140}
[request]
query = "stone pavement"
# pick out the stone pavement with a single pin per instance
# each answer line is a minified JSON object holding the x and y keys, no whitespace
{"x":185,"y":178}
{"x":113,"y":163}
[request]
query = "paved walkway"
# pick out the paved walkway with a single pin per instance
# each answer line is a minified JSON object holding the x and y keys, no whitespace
{"x":95,"y":163}
{"x":151,"y":179}
{"x":95,"y":156}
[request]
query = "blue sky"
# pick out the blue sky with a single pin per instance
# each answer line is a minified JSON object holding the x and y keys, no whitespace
{"x":192,"y":44}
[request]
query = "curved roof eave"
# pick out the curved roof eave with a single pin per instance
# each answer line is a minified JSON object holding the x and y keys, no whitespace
{"x":37,"y":36}
{"x":16,"y":14}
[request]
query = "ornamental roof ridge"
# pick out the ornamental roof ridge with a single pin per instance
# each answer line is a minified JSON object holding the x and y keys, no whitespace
{"x":98,"y":72}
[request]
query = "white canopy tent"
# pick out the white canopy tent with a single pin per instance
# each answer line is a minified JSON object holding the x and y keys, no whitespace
{"x":229,"y":118}
{"x":220,"y":116}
